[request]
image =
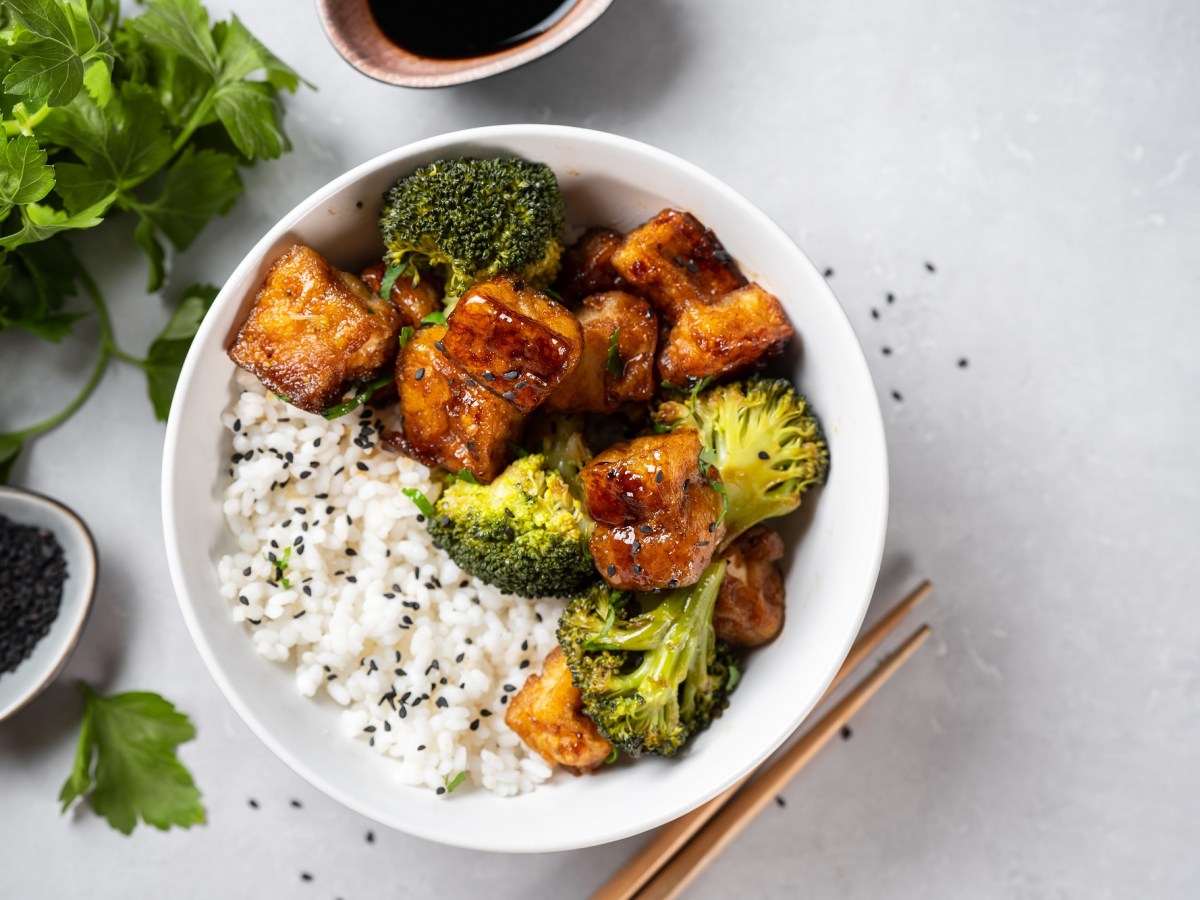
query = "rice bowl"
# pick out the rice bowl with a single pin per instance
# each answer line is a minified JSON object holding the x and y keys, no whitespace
{"x":830,"y":576}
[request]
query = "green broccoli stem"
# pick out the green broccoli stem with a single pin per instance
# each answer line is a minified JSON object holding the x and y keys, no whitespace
{"x":669,"y":635}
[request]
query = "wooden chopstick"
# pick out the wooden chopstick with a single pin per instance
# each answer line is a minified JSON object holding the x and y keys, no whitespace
{"x":741,"y":810}
{"x":672,"y":836}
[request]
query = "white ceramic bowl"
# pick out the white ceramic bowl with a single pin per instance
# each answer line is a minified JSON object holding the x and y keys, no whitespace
{"x":50,"y":655}
{"x":830,"y":573}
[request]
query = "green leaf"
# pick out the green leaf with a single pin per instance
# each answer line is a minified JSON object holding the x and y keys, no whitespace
{"x":248,"y":111}
{"x":180,"y":26}
{"x":165,"y":358}
{"x":126,"y":759}
{"x":24,"y":175}
{"x":125,"y":142}
{"x":389,"y":280}
{"x":198,"y":186}
{"x":242,"y":54}
{"x":466,"y":475}
{"x":56,"y":43}
{"x":616,"y":367}
{"x":10,"y":448}
{"x":434,"y":318}
{"x":40,"y":222}
{"x":406,"y":334}
{"x":145,"y":238}
{"x":40,"y":279}
{"x":97,"y":80}
{"x":46,"y":72}
{"x":420,"y":500}
{"x":452,"y":783}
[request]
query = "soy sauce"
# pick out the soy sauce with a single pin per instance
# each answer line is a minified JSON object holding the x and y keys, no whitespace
{"x":455,"y":29}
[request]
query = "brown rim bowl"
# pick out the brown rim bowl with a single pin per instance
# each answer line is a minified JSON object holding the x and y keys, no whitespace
{"x":356,"y":36}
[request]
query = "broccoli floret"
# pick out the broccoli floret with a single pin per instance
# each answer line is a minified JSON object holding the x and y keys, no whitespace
{"x":560,"y":439}
{"x":765,"y":441}
{"x":649,"y":680}
{"x":474,"y":219}
{"x":526,"y":532}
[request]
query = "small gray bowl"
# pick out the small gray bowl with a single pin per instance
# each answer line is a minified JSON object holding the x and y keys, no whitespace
{"x":50,"y":655}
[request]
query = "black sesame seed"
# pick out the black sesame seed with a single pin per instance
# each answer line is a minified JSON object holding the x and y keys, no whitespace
{"x":887,"y":351}
{"x":962,"y":363}
{"x":370,"y":729}
{"x":246,"y":572}
{"x":419,"y":374}
{"x":525,"y":645}
{"x":485,"y":712}
{"x":300,"y":614}
{"x":891,"y":298}
{"x":612,"y":570}
{"x":658,"y":476}
{"x":297,"y":804}
{"x":442,"y":702}
{"x":929,"y":267}
{"x":253,"y":803}
{"x":508,"y":512}
{"x":874,"y":313}
{"x":403,"y":712}
{"x":702,"y":543}
{"x":828,"y":273}
{"x":488,"y":376}
{"x":420,"y":747}
{"x":370,"y":837}
{"x":508,"y":688}
{"x":350,"y":551}
{"x":237,"y":424}
{"x":646,"y":529}
{"x":353,"y":579}
{"x":509,"y":395}
{"x":441,"y":790}
{"x":244,"y":600}
{"x":896,"y":396}
{"x":509,"y":533}
{"x":637,"y":547}
{"x":674,"y":582}
{"x":637,"y":570}
{"x":846,"y":733}
{"x":524,"y":664}
{"x":475,"y":725}
{"x":362,"y":466}
{"x":512,"y":374}
{"x":521,"y":385}
{"x":712,"y":527}
{"x":780,"y":802}
{"x":763,"y":454}
{"x":305,"y":876}
{"x":440,"y":346}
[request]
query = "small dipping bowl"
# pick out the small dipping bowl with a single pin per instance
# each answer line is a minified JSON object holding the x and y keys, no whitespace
{"x":51,"y":653}
{"x":358,"y":38}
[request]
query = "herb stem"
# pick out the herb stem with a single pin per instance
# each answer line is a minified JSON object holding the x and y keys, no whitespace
{"x":12,"y":127}
{"x":107,"y":349}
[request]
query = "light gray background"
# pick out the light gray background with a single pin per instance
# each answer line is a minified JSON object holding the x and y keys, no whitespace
{"x":1042,"y":155}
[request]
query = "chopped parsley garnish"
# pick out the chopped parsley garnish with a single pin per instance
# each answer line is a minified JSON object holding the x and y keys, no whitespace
{"x":616,"y":366}
{"x":280,"y":563}
{"x":452,"y":783}
{"x":437,"y":317}
{"x":420,"y":500}
{"x":406,"y":334}
{"x":389,"y":279}
{"x":364,"y":394}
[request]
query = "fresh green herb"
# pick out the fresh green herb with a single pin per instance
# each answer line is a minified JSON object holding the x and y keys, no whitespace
{"x":465,"y":475}
{"x":389,"y":279}
{"x":406,"y":334}
{"x":437,"y":317}
{"x":517,"y":450}
{"x":552,"y":294}
{"x":365,"y":393}
{"x":165,"y":358}
{"x":708,"y":457}
{"x":420,"y":500}
{"x":126,"y":763}
{"x":661,"y":427}
{"x":612,"y":757}
{"x":284,"y":397}
{"x":280,"y":563}
{"x":696,"y":389}
{"x":150,"y":115}
{"x":720,"y":489}
{"x":616,"y":366}
{"x":452,"y":783}
{"x":735,"y":675}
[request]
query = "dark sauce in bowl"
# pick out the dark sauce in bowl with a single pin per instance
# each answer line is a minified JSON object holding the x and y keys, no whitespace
{"x":459,"y":29}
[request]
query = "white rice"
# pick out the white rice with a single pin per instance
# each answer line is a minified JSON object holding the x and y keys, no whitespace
{"x":422,"y":657}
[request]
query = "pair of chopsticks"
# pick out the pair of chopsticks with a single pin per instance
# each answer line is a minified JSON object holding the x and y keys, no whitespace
{"x":681,"y":849}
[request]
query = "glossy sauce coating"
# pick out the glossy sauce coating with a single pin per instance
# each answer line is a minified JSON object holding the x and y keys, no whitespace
{"x":414,"y":302}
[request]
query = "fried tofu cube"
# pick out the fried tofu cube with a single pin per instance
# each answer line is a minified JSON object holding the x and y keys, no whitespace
{"x":587,"y":265}
{"x":314,"y":331}
{"x":657,"y":513}
{"x":448,"y":419}
{"x":729,"y":337}
{"x":676,"y":262}
{"x":749,"y":610}
{"x":620,"y":333}
{"x":415,"y":301}
{"x":547,"y":714}
{"x":514,"y":340}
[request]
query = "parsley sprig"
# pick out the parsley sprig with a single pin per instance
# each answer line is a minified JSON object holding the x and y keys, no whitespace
{"x":151,"y":116}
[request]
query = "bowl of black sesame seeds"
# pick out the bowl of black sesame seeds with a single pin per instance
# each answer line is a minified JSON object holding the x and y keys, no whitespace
{"x":47,"y":579}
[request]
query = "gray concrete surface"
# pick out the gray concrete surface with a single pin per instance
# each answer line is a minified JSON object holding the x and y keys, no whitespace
{"x":1042,"y":156}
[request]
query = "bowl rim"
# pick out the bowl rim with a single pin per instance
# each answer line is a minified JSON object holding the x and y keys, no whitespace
{"x":873,"y":421}
{"x":64,"y":514}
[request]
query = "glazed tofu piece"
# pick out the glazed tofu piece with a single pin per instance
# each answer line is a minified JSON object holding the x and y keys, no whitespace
{"x":547,"y":714}
{"x":729,"y":337}
{"x":414,"y":301}
{"x":513,"y":340}
{"x":676,"y":262}
{"x":314,"y":331}
{"x":620,"y":333}
{"x":448,"y":419}
{"x":655,"y":509}
{"x":587,"y":265}
{"x":749,"y":610}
